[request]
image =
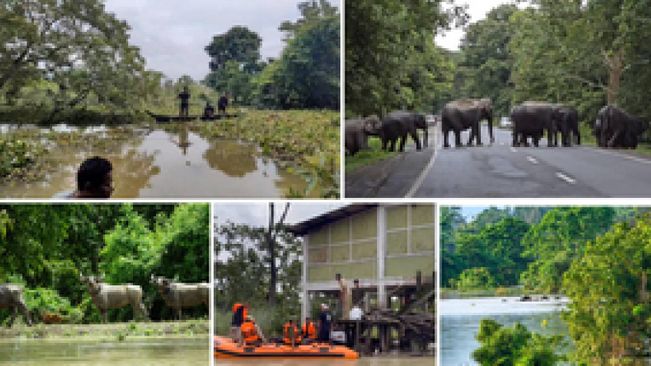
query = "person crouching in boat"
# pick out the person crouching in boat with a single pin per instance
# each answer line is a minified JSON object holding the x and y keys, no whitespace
{"x":239,"y":315}
{"x":291,"y":336}
{"x":308,"y":331}
{"x":251,"y":333}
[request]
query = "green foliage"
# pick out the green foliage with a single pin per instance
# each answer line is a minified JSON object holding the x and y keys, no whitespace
{"x":46,"y":247}
{"x":82,"y":51}
{"x":485,"y":66}
{"x":307,"y":73}
{"x":475,"y":278}
{"x":559,"y":239}
{"x":18,"y":156}
{"x":608,"y":316}
{"x":307,"y":140}
{"x":242,"y":273}
{"x":514,"y":346}
{"x":391,"y":61}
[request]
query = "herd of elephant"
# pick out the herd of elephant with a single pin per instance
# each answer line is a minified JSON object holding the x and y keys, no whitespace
{"x":613,"y":128}
{"x":176,"y":295}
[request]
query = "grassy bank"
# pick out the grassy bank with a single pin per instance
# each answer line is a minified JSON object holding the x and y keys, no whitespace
{"x":449,"y":293}
{"x":108,"y":332}
{"x":367,"y":157}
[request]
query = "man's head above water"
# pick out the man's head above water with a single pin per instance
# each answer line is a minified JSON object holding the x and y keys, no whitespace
{"x":95,"y":178}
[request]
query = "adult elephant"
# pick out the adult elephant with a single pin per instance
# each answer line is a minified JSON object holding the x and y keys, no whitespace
{"x":462,"y":114}
{"x":397,"y":125}
{"x":616,"y":128}
{"x":533,"y":119}
{"x":357,"y":132}
{"x":567,"y":119}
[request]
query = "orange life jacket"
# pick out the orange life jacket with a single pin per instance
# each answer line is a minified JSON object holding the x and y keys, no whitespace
{"x":239,"y":314}
{"x":287,"y":337}
{"x":309,"y":331}
{"x":249,"y":333}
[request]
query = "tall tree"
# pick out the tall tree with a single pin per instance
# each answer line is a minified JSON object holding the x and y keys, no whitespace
{"x":272,"y":232}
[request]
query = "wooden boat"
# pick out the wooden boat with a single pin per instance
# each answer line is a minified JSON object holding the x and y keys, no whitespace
{"x":162,"y":118}
{"x":227,"y":348}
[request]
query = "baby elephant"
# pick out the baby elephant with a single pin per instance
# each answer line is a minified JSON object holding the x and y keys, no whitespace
{"x":357,"y":132}
{"x":181,"y":295}
{"x":399,"y":124}
{"x":11,"y":296}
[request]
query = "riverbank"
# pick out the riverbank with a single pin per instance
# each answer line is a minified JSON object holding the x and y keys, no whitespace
{"x":108,"y":332}
{"x":295,"y":152}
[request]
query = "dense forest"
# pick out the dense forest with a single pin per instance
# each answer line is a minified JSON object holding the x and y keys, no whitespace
{"x":585,"y":54}
{"x":596,"y":256}
{"x":46,"y":248}
{"x":72,"y":61}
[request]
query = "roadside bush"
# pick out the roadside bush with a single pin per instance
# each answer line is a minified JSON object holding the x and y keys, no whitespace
{"x":47,"y":305}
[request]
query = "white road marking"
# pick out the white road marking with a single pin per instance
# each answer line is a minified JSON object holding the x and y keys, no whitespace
{"x":532,"y":160}
{"x":421,"y":177}
{"x":565,"y":178}
{"x":513,"y":149}
{"x":621,"y":155}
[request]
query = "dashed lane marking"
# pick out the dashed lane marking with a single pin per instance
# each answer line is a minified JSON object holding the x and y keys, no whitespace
{"x":532,"y":160}
{"x":565,"y":178}
{"x":513,"y":149}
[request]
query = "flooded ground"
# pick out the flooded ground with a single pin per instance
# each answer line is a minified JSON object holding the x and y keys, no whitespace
{"x":155,"y":163}
{"x":460,"y":322}
{"x":364,"y":361}
{"x":146,"y":352}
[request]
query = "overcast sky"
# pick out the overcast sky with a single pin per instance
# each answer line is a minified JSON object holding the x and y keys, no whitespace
{"x":172,"y":34}
{"x":477,"y":10}
{"x":254,"y":213}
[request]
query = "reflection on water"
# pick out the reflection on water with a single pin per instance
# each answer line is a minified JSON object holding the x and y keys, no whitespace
{"x":364,"y":361}
{"x":160,"y":164}
{"x":460,"y":323}
{"x":156,"y":352}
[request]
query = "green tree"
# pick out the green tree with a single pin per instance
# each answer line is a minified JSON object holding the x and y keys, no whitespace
{"x":389,"y":50}
{"x":451,"y":264}
{"x":558,"y":239}
{"x":610,"y":310}
{"x":514,"y":346}
{"x":307,"y":73}
{"x":486,"y":63}
{"x":475,"y":278}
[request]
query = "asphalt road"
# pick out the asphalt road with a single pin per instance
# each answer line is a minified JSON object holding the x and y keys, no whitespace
{"x":499,"y":170}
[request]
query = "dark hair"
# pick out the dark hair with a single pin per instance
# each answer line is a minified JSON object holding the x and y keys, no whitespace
{"x":92,"y":172}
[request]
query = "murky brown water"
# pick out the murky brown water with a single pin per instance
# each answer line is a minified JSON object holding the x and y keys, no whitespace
{"x":154,"y":352}
{"x":161,"y":164}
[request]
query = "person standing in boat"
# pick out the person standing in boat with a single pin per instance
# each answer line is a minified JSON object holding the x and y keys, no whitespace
{"x":222,"y":103}
{"x":185,"y":102}
{"x":325,"y":318}
{"x":239,"y":315}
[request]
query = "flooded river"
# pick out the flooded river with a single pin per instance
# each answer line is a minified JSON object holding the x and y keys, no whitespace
{"x":146,"y":352}
{"x":460,"y":323}
{"x":163,"y":164}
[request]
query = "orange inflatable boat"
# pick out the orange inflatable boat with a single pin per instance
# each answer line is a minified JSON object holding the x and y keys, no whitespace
{"x":227,"y":348}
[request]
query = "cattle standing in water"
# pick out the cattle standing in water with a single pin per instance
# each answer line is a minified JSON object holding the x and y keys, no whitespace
{"x":11,"y":296}
{"x":114,"y":296}
{"x":181,"y":295}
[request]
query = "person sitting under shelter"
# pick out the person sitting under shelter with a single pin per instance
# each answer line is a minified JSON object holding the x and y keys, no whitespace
{"x":94,"y":179}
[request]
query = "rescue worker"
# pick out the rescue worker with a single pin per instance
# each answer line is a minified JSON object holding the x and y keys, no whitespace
{"x":185,"y":104}
{"x":308,"y":331}
{"x":251,"y":333}
{"x":325,"y":318}
{"x":240,"y":312}
{"x":291,"y":336}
